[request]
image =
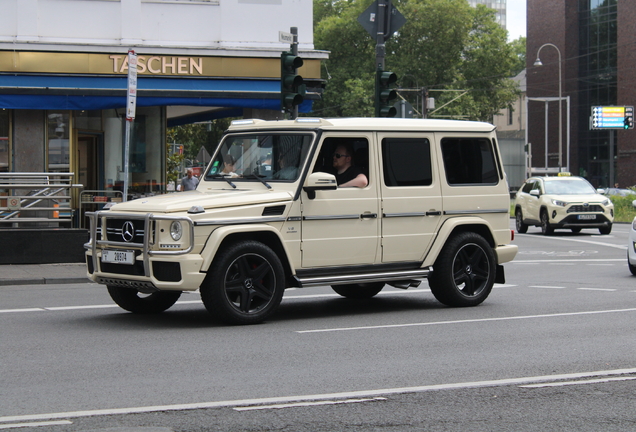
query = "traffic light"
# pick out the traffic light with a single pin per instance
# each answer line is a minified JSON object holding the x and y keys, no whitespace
{"x":629,"y":122}
{"x":292,"y":87}
{"x":385,"y":93}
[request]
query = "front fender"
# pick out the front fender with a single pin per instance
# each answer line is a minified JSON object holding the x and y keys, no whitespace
{"x":221,"y":234}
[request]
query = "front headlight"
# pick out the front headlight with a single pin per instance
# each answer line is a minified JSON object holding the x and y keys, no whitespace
{"x":559,"y":203}
{"x":606,"y":202}
{"x":176,"y":230}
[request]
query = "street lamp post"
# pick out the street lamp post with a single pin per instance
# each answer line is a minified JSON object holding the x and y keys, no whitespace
{"x":537,"y":62}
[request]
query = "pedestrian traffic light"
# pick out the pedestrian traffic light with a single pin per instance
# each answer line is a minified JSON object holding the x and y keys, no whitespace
{"x":292,"y":87}
{"x":385,"y":93}
{"x":629,"y":122}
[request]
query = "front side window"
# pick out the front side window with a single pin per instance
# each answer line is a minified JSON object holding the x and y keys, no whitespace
{"x":469,"y":161}
{"x":406,"y":162}
{"x":271,"y":157}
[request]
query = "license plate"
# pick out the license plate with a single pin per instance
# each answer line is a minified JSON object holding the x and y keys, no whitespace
{"x":118,"y":257}
{"x":587,"y":217}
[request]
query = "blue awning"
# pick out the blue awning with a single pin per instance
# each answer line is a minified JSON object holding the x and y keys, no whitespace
{"x":100,"y":92}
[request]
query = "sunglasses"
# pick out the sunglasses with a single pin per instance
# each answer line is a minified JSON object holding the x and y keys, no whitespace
{"x":338,"y":155}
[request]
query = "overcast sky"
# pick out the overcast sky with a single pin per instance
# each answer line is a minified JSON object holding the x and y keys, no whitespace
{"x":516,"y":19}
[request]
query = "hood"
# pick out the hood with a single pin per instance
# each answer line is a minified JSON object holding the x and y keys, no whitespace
{"x":182,"y":201}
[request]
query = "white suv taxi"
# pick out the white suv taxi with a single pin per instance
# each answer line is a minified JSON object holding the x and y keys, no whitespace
{"x":269,"y":214}
{"x":562,"y":202}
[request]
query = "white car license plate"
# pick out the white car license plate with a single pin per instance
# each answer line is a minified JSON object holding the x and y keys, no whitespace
{"x":118,"y":256}
{"x":587,"y":217}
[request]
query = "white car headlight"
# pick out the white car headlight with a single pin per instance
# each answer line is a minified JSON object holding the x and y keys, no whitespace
{"x":606,"y":202}
{"x":559,"y":203}
{"x":176,"y":230}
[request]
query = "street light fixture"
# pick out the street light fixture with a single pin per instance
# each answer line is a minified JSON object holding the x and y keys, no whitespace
{"x":537,"y":62}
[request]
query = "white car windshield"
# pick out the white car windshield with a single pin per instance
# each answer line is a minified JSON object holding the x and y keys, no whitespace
{"x":568,"y":187}
{"x":258,"y":157}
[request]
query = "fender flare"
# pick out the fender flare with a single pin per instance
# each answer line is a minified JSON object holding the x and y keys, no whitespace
{"x":448,"y":227}
{"x":221,"y":234}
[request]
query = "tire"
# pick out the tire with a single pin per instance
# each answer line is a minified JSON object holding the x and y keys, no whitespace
{"x":521,"y":227}
{"x":245,"y":284}
{"x":359,"y":291}
{"x":546,"y":229}
{"x":576,"y":230}
{"x":605,"y":230}
{"x":133,"y":301}
{"x":632,"y":268}
{"x":464,"y":272}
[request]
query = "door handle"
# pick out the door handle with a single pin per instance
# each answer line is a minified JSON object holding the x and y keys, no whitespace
{"x":433,"y":213}
{"x":369,"y":216}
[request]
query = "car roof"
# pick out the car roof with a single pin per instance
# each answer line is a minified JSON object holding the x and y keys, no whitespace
{"x":366,"y":124}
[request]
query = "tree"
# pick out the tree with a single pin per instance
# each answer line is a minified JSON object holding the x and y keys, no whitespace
{"x":444,"y":45}
{"x":519,"y":48}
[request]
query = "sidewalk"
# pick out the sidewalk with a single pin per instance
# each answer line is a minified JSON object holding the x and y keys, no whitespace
{"x":37,"y":274}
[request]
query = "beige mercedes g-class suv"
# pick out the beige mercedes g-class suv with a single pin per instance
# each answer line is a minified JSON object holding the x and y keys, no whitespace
{"x":269,"y":214}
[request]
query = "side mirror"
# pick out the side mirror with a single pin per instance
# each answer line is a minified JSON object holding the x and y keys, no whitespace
{"x":535,"y":192}
{"x":319,"y":181}
{"x":601,"y":191}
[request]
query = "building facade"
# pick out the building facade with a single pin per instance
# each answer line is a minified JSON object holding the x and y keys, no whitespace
{"x":590,"y":54}
{"x":498,"y":5}
{"x":63,"y":79}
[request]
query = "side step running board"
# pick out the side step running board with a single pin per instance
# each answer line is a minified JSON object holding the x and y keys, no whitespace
{"x":398,"y":276}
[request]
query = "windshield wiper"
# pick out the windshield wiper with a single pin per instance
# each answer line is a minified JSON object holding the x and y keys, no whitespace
{"x":257,"y":177}
{"x":224,"y":177}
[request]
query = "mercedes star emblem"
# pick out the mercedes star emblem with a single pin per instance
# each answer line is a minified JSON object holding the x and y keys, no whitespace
{"x":128,"y":231}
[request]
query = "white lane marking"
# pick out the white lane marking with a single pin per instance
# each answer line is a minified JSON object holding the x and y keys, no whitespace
{"x":598,"y":243}
{"x":596,"y":289}
{"x":567,"y":260}
{"x":546,"y":286}
{"x":567,"y":383}
{"x":316,"y":397}
{"x":478,"y":320}
{"x":35,"y":424}
{"x":306,"y":404}
{"x":185,"y":302}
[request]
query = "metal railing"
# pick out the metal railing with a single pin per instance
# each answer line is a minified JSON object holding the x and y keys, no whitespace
{"x":40,"y":198}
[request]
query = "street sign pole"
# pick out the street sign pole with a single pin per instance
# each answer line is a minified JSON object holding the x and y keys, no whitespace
{"x":131,"y":104}
{"x":294,"y":51}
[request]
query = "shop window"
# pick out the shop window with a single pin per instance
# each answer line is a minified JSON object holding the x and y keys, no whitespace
{"x":58,"y":141}
{"x":5,"y":143}
{"x":88,"y":120}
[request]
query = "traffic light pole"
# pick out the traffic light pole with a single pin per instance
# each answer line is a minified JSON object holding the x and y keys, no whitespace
{"x":294,"y":50}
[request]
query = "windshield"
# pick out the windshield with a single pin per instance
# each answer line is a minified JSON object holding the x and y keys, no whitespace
{"x":568,"y":187}
{"x":255,"y":157}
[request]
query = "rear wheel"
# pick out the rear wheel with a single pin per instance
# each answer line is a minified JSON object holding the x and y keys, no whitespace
{"x":521,"y":227}
{"x":245,"y":284}
{"x":139,"y":303}
{"x":546,"y":229}
{"x":359,"y":291}
{"x":464,"y":272}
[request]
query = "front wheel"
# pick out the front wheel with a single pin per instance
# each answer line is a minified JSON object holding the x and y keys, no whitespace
{"x":546,"y":229}
{"x":245,"y":284}
{"x":606,"y":229}
{"x":521,"y":227}
{"x":359,"y":291}
{"x":133,"y":301}
{"x":464,"y":272}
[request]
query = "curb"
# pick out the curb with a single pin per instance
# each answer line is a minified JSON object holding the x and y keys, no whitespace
{"x":44,"y":281}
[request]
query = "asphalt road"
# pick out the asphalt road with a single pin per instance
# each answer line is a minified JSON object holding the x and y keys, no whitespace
{"x":552,"y":349}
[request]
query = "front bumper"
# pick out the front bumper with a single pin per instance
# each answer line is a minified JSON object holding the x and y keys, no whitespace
{"x":151,"y":269}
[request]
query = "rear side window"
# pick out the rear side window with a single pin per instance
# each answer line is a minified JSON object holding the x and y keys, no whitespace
{"x":406,"y":162}
{"x":469,"y":161}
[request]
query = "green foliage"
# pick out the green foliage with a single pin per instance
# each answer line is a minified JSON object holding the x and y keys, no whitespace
{"x":519,"y":48}
{"x":623,"y":209}
{"x":173,"y":165}
{"x":444,"y":45}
